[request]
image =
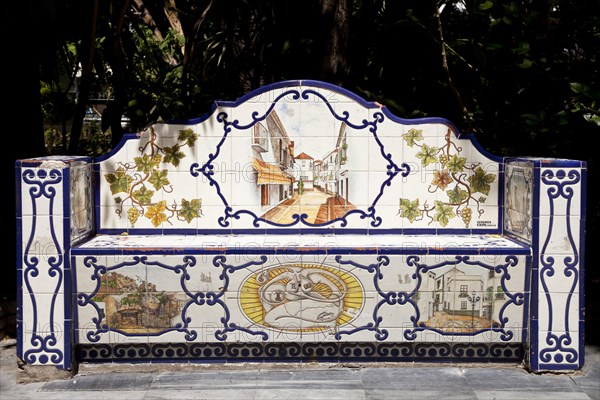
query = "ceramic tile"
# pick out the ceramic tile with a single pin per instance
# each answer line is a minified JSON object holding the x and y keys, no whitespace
{"x":555,"y":277}
{"x":565,"y":202}
{"x":558,"y":347}
{"x":564,"y":236}
{"x":553,"y":313}
{"x":25,"y":197}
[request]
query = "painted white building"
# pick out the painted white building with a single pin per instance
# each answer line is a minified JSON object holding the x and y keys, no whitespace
{"x":272,"y":160}
{"x":303,"y":171}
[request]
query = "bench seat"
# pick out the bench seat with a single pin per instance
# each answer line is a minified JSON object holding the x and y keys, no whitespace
{"x":330,"y":244}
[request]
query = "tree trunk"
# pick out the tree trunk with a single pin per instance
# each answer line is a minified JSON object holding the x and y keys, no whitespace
{"x":119,"y":82}
{"x":171,"y":13}
{"x":335,"y":18}
{"x":87,"y":61}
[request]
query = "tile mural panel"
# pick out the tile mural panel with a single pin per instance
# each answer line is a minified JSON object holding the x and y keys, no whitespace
{"x":299,"y":158}
{"x":325,"y":298}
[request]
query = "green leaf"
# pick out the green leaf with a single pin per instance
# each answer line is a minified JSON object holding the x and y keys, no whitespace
{"x":480,"y":181}
{"x":146,"y":163}
{"x":187,"y":135}
{"x":595,"y":119}
{"x":522,"y":48}
{"x":410,"y":209}
{"x":119,"y":181}
{"x":190,"y":209}
{"x":413,"y":136}
{"x":427,"y":155}
{"x":173,"y":155}
{"x":158,"y":179}
{"x":527,"y":63}
{"x":143,"y":195}
{"x":456,"y":164}
{"x":486,"y":5}
{"x":443,"y":213}
{"x":578,"y":87}
{"x":457,"y":195}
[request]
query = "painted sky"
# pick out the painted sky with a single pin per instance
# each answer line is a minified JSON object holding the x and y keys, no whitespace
{"x":311,"y":126}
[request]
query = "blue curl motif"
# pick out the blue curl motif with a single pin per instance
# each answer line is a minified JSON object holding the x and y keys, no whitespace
{"x":560,"y":345}
{"x":43,"y":184}
{"x":388,"y":298}
{"x":208,"y":298}
{"x":207,"y":169}
{"x":410,"y":298}
{"x":517,"y":299}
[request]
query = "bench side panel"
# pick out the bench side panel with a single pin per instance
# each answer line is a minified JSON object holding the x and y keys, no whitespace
{"x":54,"y":211}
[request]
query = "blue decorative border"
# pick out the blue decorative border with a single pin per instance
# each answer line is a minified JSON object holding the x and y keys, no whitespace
{"x":44,"y":348}
{"x":222,"y":352}
{"x":207,"y":169}
{"x":403,"y":298}
{"x":209,"y":298}
{"x":559,"y":344}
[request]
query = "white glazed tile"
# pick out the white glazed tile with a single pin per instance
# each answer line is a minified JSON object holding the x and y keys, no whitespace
{"x":555,"y":312}
{"x":25,"y":196}
{"x":131,"y":338}
{"x":564,"y":236}
{"x":570,"y":193}
{"x":557,"y":278}
{"x":558,"y":356}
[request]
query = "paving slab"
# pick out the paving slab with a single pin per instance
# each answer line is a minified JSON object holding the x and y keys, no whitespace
{"x":324,"y":381}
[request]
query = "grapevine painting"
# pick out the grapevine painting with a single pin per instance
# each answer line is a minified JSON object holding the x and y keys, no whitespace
{"x":138,"y":182}
{"x":465,"y":186}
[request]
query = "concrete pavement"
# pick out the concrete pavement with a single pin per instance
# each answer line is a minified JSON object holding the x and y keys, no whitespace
{"x":304,"y":381}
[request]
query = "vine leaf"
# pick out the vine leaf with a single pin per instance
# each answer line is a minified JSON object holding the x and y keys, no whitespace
{"x":410,"y":209}
{"x":173,"y":155}
{"x":156,"y":213}
{"x":187,"y":135}
{"x":158,"y":179}
{"x":413,"y":136}
{"x":143,"y":195}
{"x":190,"y":209}
{"x":456,"y":164}
{"x":427,"y":155}
{"x":146,"y":163}
{"x":441,"y":179}
{"x":443,"y":213}
{"x":119,"y":181}
{"x":480,"y":181}
{"x":457,"y":195}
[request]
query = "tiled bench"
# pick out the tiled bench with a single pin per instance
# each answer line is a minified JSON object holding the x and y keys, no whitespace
{"x":301,"y":223}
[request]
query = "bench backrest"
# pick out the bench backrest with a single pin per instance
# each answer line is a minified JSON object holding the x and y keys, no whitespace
{"x":299,"y":157}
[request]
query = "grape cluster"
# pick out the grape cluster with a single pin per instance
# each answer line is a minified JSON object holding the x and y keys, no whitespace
{"x":444,"y":159}
{"x":466,"y":215}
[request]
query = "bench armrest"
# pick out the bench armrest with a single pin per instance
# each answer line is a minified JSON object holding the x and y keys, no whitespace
{"x":54,"y":211}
